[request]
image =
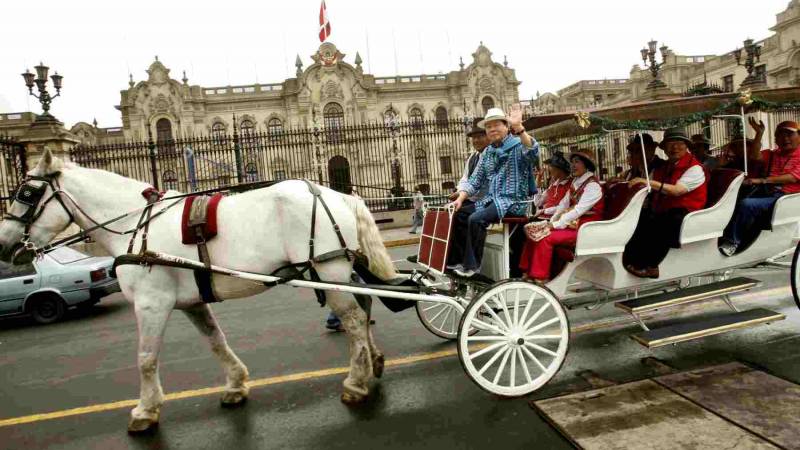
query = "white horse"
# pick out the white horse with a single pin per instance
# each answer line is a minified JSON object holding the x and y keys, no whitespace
{"x":259,"y":231}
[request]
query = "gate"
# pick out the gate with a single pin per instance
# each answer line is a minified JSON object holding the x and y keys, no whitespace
{"x":13,"y":167}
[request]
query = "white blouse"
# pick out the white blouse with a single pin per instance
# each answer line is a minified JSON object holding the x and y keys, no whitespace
{"x":592,"y":194}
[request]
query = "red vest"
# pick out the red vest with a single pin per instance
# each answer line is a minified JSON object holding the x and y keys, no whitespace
{"x":670,"y":174}
{"x":596,"y":211}
{"x":554,"y":193}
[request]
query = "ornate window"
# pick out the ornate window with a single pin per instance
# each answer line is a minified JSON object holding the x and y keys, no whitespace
{"x":218,"y":133}
{"x":415,"y":117}
{"x":170,"y":180}
{"x":247,"y":127}
{"x":251,"y":172}
{"x":727,"y":83}
{"x":333,"y":119}
{"x":446,"y":165}
{"x":389,"y":116}
{"x":441,"y":117}
{"x":420,"y":164}
{"x":275,"y":128}
{"x":487,"y":103}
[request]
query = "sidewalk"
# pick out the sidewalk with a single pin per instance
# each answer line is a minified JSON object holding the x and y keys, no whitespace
{"x":397,"y":237}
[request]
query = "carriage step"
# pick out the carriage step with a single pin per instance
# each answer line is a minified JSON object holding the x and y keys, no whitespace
{"x":688,"y":295}
{"x":696,"y":329}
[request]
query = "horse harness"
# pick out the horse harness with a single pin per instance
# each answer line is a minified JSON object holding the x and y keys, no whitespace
{"x":30,"y":195}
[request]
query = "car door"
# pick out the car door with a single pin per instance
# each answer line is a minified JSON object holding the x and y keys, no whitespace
{"x":16,"y":282}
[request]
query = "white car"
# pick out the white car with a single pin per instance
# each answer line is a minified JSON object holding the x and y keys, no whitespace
{"x":48,"y":286}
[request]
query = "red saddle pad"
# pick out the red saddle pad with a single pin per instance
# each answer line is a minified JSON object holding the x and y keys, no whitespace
{"x":434,"y":243}
{"x":188,"y":236}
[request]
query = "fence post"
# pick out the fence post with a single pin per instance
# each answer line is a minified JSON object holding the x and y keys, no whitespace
{"x":237,"y":152}
{"x":151,"y":146}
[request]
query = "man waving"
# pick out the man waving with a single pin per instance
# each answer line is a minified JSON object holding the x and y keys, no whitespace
{"x":506,"y":168}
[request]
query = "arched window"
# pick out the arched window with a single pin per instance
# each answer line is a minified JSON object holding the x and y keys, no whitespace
{"x":218,"y":129}
{"x":274,"y":128}
{"x":251,"y":172}
{"x":441,"y":117}
{"x":448,"y":186}
{"x":389,"y":116}
{"x":487,"y":103}
{"x":163,"y":130}
{"x":247,"y":127}
{"x":415,"y":117}
{"x":169,"y":180}
{"x":333,"y":119}
{"x":420,"y":163}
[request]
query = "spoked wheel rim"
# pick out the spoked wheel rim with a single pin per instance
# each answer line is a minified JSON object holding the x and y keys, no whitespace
{"x":442,"y":319}
{"x":522,"y":339}
{"x":795,"y":275}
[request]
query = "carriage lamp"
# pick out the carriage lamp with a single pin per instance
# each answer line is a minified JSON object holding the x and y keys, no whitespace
{"x":40,"y":81}
{"x":649,"y":59}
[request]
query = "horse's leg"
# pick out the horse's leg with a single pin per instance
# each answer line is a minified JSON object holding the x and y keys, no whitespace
{"x":354,"y":321}
{"x":151,"y":316}
{"x":236,"y":390}
{"x":365,"y":302}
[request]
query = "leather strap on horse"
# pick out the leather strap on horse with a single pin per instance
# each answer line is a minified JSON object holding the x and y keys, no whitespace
{"x":197,"y":222}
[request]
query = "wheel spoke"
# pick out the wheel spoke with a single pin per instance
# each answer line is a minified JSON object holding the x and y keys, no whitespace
{"x":504,"y":307}
{"x":542,"y":325}
{"x":516,"y":309}
{"x":502,"y":366}
{"x":513,"y":378}
{"x":486,"y":338}
{"x":432,"y":319}
{"x":454,"y":324}
{"x":486,"y":350}
{"x":534,"y":358}
{"x":527,"y":308}
{"x":492,"y":360}
{"x":477,"y":323}
{"x":536,"y":315}
{"x":543,"y":337}
{"x":446,"y":316}
{"x":494,"y":315}
{"x":432,"y":306}
{"x":524,"y":365}
{"x":541,"y":349}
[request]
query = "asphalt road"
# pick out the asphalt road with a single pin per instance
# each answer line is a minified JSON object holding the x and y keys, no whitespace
{"x":90,"y":358}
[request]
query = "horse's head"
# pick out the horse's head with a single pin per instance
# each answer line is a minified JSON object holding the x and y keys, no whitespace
{"x":38,"y":213}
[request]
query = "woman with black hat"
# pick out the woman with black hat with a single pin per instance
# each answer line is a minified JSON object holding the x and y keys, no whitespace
{"x":547,"y":201}
{"x":584,"y":203}
{"x":678,"y":188}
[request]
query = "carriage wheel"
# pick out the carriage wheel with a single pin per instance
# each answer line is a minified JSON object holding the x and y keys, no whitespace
{"x":442,"y":319}
{"x":522,"y":341}
{"x":795,"y":275}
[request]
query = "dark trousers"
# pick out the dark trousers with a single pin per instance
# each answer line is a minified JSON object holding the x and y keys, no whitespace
{"x":655,"y":234}
{"x":749,"y":211}
{"x":477,"y":222}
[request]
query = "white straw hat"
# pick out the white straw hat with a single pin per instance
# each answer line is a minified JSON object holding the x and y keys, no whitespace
{"x":493,"y":114}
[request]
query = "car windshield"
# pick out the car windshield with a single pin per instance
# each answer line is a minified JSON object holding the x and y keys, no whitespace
{"x":66,"y":255}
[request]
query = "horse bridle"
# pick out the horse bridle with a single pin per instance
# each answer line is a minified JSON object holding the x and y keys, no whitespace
{"x":31,"y":195}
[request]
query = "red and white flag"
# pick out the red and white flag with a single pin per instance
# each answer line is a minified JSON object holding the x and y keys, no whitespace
{"x":324,"y":25}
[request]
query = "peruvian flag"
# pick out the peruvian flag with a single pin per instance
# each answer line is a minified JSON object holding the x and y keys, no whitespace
{"x":324,"y":24}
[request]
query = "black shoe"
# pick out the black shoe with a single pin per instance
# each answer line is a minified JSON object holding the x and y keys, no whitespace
{"x":412,"y":259}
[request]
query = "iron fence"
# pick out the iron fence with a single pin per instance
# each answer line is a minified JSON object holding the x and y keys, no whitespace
{"x":382,"y":162}
{"x":13,"y":166}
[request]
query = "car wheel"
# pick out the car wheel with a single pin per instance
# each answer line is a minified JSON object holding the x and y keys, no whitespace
{"x":47,"y":309}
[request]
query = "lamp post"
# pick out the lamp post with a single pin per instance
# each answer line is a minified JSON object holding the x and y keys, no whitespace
{"x":752,"y":56}
{"x":40,"y":81}
{"x":649,"y":59}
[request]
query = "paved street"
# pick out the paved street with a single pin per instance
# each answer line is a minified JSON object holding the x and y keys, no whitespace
{"x":89,"y":359}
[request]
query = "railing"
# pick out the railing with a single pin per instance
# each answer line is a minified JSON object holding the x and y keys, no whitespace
{"x":381,"y":162}
{"x":13,"y":166}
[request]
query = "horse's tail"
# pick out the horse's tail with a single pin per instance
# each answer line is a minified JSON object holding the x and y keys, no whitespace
{"x":369,"y":238}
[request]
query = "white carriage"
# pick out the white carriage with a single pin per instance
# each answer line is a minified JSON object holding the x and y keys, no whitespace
{"x":513,"y":335}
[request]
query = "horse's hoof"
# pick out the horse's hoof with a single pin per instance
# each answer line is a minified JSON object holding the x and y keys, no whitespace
{"x":234,"y":398}
{"x":377,"y":366}
{"x":349,"y":398}
{"x":141,"y":425}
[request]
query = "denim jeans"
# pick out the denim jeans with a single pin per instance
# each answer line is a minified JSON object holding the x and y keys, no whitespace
{"x":477,"y":223}
{"x":748,"y":211}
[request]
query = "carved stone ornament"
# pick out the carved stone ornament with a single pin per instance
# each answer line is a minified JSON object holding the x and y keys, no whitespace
{"x":332,"y":90}
{"x":327,"y":55}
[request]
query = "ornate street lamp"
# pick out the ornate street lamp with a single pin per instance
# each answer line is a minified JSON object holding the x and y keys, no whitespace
{"x":44,"y":97}
{"x":753,"y":55}
{"x":649,"y":59}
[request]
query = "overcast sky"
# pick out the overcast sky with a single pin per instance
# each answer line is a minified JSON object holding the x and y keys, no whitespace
{"x":550,"y":43}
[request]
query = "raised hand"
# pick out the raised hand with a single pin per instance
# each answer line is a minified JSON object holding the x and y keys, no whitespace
{"x":759,"y":126}
{"x":515,"y":116}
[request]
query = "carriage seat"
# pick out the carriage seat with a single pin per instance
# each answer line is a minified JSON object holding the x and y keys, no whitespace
{"x":710,"y":222}
{"x":617,"y":197}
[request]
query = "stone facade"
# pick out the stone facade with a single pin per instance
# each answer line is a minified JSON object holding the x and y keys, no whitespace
{"x":779,"y":66}
{"x":329,"y":90}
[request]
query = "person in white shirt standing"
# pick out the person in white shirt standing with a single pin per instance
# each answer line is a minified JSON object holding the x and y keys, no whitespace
{"x":584,"y":203}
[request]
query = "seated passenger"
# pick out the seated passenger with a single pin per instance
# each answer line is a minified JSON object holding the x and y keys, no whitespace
{"x":583,"y":204}
{"x":701,"y":145}
{"x":781,"y":176}
{"x":506,"y":168}
{"x":678,"y":188}
{"x":635,"y":160}
{"x":733,"y":153}
{"x":547,"y":201}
